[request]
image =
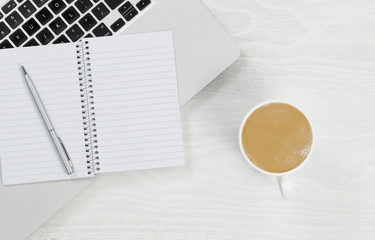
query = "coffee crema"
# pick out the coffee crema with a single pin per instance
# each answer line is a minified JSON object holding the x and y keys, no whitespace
{"x":277,"y":137}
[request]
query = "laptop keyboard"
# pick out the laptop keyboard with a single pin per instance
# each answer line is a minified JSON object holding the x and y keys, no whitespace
{"x":26,"y":23}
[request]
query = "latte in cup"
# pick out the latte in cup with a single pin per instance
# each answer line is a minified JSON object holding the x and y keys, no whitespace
{"x":277,"y":137}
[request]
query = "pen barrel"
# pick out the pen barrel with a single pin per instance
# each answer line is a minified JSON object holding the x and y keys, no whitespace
{"x":39,"y":102}
{"x":64,"y":156}
{"x":62,"y":152}
{"x":57,"y":141}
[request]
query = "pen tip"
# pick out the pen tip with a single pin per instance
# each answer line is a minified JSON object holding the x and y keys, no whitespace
{"x":24,"y":70}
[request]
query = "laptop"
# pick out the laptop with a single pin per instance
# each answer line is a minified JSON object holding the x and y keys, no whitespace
{"x":203,"y":50}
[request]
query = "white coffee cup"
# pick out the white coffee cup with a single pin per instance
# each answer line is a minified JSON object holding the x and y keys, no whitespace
{"x":282,"y":178}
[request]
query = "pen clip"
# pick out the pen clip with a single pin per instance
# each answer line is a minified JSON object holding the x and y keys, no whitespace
{"x":66,"y":152}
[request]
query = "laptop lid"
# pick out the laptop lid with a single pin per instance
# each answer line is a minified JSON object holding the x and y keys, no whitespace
{"x":203,"y":48}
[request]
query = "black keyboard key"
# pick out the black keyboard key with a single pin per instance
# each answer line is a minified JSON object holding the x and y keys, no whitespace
{"x":70,"y":15}
{"x":118,"y":25}
{"x":40,"y":3}
{"x":31,"y":27}
{"x":4,"y":30}
{"x":143,"y":4}
{"x":57,"y":26}
{"x":69,"y":1}
{"x":100,"y":11}
{"x":57,"y":6}
{"x":26,"y":9}
{"x":18,"y":37}
{"x":45,"y":36}
{"x":5,"y":44}
{"x":83,"y":5}
{"x":125,"y":8}
{"x":114,"y":3}
{"x":9,"y":6}
{"x":19,"y":1}
{"x":31,"y":43}
{"x":74,"y":33}
{"x":89,"y":35}
{"x":1,"y":15}
{"x":44,"y":16}
{"x":101,"y":30}
{"x":87,"y":22}
{"x":130,"y":14}
{"x":61,"y":39}
{"x":14,"y":19}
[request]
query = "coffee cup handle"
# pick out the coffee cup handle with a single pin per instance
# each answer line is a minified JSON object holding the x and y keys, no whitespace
{"x":285,"y":187}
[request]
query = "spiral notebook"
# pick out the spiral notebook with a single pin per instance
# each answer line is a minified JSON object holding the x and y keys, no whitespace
{"x":112,"y":100}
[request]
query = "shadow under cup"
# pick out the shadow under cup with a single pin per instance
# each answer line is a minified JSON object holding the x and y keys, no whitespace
{"x":276,"y":137}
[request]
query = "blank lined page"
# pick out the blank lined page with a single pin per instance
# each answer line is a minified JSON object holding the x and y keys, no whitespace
{"x":136,"y":102}
{"x":27,"y":151}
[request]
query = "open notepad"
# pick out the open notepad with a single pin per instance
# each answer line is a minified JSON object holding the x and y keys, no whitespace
{"x":112,"y":100}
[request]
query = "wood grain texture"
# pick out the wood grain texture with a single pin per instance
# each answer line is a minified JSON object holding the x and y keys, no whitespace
{"x":317,"y":54}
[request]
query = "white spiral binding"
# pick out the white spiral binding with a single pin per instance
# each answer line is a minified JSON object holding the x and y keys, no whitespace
{"x":87,"y":104}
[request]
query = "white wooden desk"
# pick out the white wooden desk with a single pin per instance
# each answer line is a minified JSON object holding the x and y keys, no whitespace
{"x":317,"y":54}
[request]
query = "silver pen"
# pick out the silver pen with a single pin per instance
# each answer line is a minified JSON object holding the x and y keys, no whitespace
{"x":56,"y":139}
